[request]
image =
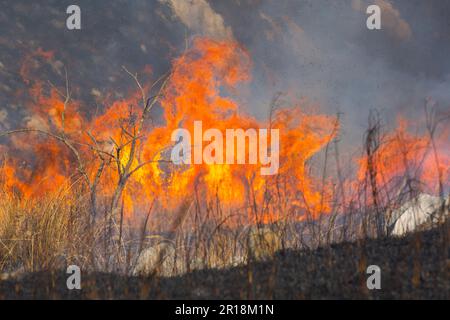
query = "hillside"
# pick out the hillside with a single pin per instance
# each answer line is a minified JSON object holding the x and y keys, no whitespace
{"x":413,"y":267}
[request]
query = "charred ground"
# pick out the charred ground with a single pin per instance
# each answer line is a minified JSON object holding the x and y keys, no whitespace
{"x":413,"y":267}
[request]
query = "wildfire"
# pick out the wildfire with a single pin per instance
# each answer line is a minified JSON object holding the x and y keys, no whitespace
{"x":196,"y":91}
{"x":402,"y":154}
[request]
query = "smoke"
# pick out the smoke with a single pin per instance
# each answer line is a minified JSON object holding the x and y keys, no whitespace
{"x":198,"y":16}
{"x":392,"y":21}
{"x":323,"y":51}
{"x":3,"y":116}
{"x":314,"y":50}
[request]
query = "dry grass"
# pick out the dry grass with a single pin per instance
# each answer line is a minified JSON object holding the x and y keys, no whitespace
{"x":57,"y":230}
{"x":79,"y":225}
{"x":42,"y":234}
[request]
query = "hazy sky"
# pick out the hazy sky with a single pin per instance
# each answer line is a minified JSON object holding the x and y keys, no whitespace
{"x":317,"y":49}
{"x":322,"y":50}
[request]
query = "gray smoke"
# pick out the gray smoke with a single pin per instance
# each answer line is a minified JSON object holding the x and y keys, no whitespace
{"x":314,"y":49}
{"x":323,"y":51}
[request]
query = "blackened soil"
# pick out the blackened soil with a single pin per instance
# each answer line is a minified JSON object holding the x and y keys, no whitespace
{"x":414,"y":267}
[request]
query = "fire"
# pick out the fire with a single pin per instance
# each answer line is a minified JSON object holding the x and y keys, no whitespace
{"x":402,"y":154}
{"x":199,"y":89}
{"x":221,"y":181}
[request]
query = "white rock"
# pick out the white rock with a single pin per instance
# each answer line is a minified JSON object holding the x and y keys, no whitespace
{"x":417,"y":212}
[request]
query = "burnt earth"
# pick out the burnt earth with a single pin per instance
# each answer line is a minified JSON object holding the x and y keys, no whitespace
{"x":414,"y":267}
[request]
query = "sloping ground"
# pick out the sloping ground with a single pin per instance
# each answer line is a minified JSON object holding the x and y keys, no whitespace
{"x":415,"y":267}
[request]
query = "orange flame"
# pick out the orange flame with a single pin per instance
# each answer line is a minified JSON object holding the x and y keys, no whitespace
{"x":402,"y":154}
{"x":195,"y":92}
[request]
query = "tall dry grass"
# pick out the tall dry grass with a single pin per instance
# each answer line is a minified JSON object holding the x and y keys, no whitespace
{"x":46,"y":233}
{"x":86,"y":228}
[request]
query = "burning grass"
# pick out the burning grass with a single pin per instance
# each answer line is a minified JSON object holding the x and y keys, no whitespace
{"x":99,"y":191}
{"x":44,"y":234}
